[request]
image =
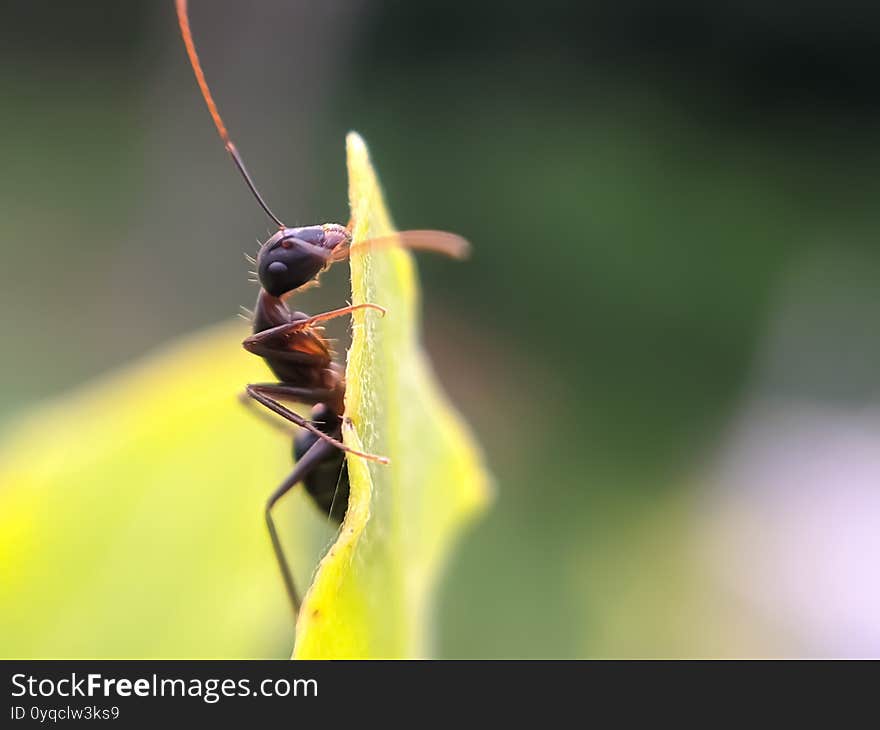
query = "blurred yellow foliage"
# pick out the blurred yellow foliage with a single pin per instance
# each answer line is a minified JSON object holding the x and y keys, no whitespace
{"x":130,"y":514}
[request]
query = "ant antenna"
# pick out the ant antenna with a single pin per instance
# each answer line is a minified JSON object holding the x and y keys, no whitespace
{"x":183,"y":20}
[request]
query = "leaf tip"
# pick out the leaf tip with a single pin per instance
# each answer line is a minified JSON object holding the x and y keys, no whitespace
{"x":355,"y":145}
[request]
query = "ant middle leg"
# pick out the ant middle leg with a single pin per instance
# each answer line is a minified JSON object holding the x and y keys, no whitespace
{"x":307,"y":396}
{"x":295,"y":394}
{"x":260,"y":394}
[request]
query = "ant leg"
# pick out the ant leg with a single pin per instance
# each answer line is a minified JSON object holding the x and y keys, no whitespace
{"x":257,"y":392}
{"x":280,"y":391}
{"x":342,"y":311}
{"x":307,"y":396}
{"x":265,"y":416}
{"x":275,"y":341}
{"x":276,"y":346}
{"x":311,"y":459}
{"x":288,"y":328}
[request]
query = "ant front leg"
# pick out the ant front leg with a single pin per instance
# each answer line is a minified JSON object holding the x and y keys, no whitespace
{"x":273,"y":342}
{"x":316,"y":454}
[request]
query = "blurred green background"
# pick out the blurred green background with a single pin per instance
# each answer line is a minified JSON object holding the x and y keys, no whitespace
{"x":665,"y":340}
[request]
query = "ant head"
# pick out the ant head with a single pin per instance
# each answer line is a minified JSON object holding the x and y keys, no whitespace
{"x":294,"y":256}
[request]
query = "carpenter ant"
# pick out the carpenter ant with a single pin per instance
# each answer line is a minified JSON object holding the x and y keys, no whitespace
{"x":294,"y":347}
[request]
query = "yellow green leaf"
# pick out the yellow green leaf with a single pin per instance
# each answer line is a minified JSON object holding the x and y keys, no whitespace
{"x":372,"y":594}
{"x":131,"y":509}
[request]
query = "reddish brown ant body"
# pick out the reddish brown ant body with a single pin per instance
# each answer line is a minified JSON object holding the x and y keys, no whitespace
{"x":294,"y":347}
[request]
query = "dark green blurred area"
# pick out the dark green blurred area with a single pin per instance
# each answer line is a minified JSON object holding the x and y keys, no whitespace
{"x":636,"y":180}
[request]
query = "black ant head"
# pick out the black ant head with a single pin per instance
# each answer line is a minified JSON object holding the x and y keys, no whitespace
{"x":294,"y":256}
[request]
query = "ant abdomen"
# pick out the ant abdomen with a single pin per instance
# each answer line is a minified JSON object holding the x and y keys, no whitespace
{"x":327,"y":484}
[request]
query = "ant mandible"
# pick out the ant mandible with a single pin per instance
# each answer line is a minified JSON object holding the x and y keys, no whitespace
{"x":294,"y":347}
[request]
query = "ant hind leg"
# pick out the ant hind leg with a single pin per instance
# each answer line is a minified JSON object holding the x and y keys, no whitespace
{"x":319,"y":451}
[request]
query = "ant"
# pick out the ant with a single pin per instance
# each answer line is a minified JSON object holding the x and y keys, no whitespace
{"x":293,"y":346}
